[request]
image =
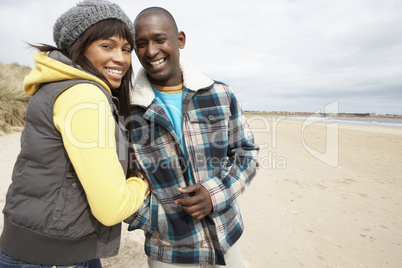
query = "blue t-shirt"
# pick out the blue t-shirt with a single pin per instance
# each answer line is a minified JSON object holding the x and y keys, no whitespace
{"x":172,"y":104}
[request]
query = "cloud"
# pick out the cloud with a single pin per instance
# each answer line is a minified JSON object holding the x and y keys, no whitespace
{"x":276,"y":55}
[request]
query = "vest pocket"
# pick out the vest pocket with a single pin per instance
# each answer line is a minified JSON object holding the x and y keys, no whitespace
{"x":72,"y":216}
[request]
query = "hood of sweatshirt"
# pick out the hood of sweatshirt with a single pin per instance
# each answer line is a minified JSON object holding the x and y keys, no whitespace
{"x":54,"y":67}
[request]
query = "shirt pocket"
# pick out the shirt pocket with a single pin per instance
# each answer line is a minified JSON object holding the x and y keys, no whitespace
{"x":209,"y":125}
{"x":149,"y":135}
{"x":177,"y":228}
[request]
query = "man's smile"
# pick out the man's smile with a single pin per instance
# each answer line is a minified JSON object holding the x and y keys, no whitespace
{"x":157,"y":63}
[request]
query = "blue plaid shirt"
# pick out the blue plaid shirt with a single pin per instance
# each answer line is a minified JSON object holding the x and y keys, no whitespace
{"x":222,"y":156}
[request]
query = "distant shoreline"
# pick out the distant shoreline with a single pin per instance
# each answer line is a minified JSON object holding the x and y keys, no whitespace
{"x":307,"y":114}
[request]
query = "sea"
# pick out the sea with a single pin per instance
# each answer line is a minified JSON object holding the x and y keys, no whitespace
{"x":364,"y":121}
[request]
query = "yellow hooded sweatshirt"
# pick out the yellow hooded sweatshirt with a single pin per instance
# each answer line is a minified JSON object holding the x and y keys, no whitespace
{"x":83,"y":117}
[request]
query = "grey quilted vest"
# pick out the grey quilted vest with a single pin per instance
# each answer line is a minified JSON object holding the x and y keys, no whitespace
{"x":47,"y":219}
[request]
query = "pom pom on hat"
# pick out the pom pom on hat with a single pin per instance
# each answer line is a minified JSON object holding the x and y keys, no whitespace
{"x":73,"y":23}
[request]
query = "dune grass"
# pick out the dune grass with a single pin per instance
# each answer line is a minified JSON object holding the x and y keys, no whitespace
{"x":13,"y":100}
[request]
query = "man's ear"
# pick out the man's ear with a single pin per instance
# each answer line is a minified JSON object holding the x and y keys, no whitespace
{"x":182,"y":39}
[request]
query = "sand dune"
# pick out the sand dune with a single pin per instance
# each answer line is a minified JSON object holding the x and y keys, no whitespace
{"x":324,"y":196}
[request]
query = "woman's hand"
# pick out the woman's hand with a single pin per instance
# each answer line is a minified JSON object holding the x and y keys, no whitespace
{"x":142,"y":177}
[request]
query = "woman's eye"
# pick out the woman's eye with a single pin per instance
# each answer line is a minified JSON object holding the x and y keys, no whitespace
{"x":107,"y":46}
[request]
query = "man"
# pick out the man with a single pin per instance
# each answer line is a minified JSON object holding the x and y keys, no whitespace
{"x":194,"y":144}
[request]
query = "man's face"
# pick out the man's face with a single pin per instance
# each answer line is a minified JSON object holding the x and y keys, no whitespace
{"x":157,"y":45}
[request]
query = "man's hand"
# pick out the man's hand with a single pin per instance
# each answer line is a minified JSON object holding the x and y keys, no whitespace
{"x":199,"y":205}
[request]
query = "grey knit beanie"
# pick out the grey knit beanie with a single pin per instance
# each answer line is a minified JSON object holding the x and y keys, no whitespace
{"x":72,"y":24}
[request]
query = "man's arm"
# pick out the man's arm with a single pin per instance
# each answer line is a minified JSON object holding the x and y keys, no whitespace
{"x":218,"y":192}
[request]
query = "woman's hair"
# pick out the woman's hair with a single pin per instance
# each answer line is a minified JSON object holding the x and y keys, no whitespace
{"x":101,"y":30}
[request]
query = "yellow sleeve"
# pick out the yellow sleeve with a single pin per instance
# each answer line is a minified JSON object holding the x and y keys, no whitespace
{"x":83,"y":117}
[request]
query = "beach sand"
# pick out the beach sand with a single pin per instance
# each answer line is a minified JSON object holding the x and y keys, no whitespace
{"x":326,"y":195}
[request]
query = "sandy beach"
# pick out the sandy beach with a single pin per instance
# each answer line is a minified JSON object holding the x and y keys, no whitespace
{"x":326,"y":195}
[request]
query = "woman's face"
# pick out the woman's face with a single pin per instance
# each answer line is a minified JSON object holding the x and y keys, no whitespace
{"x":112,"y":58}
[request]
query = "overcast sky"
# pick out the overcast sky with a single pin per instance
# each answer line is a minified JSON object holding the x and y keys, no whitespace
{"x":277,"y":55}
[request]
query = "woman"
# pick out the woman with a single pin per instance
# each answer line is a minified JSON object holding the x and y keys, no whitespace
{"x":69,"y":191}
